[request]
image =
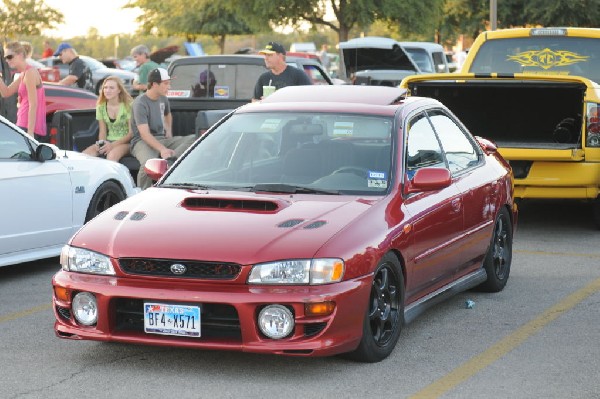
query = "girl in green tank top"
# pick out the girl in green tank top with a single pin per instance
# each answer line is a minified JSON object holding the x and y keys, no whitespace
{"x":113,"y":112}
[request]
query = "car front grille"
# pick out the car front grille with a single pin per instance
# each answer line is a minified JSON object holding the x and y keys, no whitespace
{"x":167,"y":268}
{"x":217,"y":320}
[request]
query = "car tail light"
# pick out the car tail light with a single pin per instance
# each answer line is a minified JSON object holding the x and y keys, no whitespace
{"x":53,"y":135}
{"x":593,"y":125}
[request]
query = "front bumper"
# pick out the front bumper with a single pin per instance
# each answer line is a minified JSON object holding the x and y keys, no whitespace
{"x":228,"y":313}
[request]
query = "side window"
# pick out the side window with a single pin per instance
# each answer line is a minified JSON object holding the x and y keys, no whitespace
{"x":460,"y":151}
{"x":439,"y":61}
{"x":423,"y":148}
{"x":315,"y":75}
{"x":218,"y":81}
{"x":13,"y":145}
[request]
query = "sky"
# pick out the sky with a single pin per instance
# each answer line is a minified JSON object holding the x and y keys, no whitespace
{"x":104,"y":15}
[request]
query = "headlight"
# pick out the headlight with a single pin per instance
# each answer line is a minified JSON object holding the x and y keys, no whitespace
{"x":85,"y":261}
{"x":300,"y":271}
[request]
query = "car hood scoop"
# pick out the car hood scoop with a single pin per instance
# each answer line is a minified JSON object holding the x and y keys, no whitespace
{"x":230,"y":204}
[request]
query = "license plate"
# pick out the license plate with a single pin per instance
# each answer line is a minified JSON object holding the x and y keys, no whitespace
{"x":169,"y":319}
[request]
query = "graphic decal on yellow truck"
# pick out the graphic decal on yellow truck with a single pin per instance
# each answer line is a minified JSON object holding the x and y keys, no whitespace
{"x":547,"y":58}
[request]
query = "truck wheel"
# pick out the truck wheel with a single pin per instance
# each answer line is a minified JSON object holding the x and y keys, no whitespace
{"x":108,"y":194}
{"x":499,"y":255}
{"x":385,"y":313}
{"x":596,"y":206}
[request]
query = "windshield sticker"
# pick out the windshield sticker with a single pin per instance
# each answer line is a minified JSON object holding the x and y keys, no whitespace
{"x":343,"y":128}
{"x":547,"y":58}
{"x":221,"y":91}
{"x":179,"y":93}
{"x":270,"y":125}
{"x":377,"y":179}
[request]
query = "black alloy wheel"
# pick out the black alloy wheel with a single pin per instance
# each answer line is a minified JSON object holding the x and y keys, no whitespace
{"x":385,"y":313}
{"x":499,"y":256}
{"x":108,"y":194}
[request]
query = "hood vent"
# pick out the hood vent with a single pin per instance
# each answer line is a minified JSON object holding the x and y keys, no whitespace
{"x":121,"y":215}
{"x":290,"y":223}
{"x":315,"y":225}
{"x":137,"y":216}
{"x":229,"y":204}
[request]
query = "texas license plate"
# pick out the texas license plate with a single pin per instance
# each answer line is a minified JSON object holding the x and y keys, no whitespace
{"x":169,"y":319}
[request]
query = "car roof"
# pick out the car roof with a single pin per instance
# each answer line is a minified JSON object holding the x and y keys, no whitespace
{"x":429,"y":46}
{"x":547,"y":31}
{"x":344,"y":99}
{"x":374,"y":95}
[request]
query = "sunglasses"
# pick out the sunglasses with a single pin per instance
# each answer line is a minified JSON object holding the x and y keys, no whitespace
{"x":9,"y":56}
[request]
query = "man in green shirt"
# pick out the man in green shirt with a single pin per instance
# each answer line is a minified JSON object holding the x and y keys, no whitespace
{"x":141,"y":55}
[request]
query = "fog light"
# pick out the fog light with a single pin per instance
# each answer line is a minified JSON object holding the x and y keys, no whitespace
{"x":85,"y":308}
{"x":276,"y":321}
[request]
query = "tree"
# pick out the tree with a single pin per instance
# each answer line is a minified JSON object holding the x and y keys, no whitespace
{"x":342,"y":16}
{"x":581,"y":13}
{"x":472,"y":16}
{"x":27,"y":17}
{"x":190,"y":18}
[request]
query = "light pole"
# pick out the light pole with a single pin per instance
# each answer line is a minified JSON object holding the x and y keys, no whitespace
{"x":493,"y":14}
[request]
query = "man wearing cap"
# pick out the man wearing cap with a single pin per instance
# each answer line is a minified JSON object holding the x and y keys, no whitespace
{"x":79,"y":73}
{"x":279,"y":73}
{"x":151,"y":123}
{"x":141,"y":55}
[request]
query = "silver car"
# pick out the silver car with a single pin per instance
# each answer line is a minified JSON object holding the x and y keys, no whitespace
{"x":99,"y":72}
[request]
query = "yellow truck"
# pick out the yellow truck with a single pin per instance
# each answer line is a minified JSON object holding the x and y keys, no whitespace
{"x":535,"y":93}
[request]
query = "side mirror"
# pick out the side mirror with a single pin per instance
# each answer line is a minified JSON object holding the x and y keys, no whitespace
{"x":487,"y":145}
{"x":429,"y":179}
{"x":44,"y":153}
{"x":155,"y":168}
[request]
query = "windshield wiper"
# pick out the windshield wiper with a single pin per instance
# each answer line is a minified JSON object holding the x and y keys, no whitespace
{"x":291,"y":189}
{"x":186,"y":185}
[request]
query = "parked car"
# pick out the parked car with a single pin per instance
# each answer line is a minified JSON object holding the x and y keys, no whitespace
{"x":376,"y":61}
{"x":48,"y":74}
{"x":127,"y":63}
{"x":47,"y":195}
{"x":60,"y":98}
{"x":429,"y":57}
{"x":99,"y":72}
{"x":314,"y":222}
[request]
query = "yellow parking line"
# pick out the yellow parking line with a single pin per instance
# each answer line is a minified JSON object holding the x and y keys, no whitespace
{"x":13,"y":316}
{"x":502,"y":347}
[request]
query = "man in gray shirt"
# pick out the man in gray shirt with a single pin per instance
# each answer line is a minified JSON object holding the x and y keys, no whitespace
{"x":151,"y":123}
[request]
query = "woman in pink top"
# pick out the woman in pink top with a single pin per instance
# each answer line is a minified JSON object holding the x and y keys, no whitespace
{"x":31,"y":114}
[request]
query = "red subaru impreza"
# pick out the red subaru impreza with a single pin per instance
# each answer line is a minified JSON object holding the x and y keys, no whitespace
{"x":316,"y":222}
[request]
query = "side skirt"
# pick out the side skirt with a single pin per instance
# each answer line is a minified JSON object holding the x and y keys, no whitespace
{"x":464,"y":283}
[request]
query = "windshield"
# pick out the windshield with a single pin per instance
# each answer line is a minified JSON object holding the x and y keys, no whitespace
{"x":292,"y":152}
{"x":92,"y":63}
{"x":421,"y":58}
{"x":540,"y":55}
{"x":218,"y":81}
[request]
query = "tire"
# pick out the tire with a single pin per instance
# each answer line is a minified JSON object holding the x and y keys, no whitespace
{"x":498,"y":258}
{"x":108,"y":194}
{"x":596,"y":210}
{"x":385,"y":313}
{"x":99,"y":87}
